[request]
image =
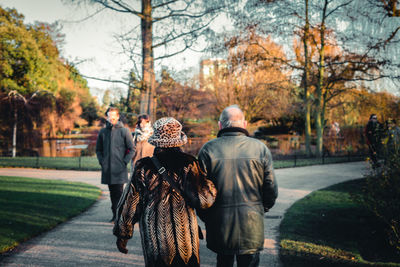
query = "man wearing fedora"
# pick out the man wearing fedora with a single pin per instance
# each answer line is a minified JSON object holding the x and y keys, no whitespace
{"x":163,"y":193}
{"x":241,"y":169}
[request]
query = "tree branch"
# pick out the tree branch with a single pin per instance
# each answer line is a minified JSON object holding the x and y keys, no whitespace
{"x":183,"y":34}
{"x":165,"y":4}
{"x":338,"y":7}
{"x":193,"y":16}
{"x":84,"y":19}
{"x":173,"y":54}
{"x":392,"y":35}
{"x":105,"y":80}
{"x":124,"y":9}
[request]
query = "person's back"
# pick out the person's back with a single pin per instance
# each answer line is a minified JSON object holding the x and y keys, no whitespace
{"x":238,"y":164}
{"x":372,"y":132}
{"x":165,"y":207}
{"x":241,"y":169}
{"x":168,"y":225}
{"x":393,"y":136}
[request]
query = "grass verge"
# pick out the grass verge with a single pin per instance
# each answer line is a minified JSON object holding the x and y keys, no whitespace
{"x":327,"y":228}
{"x":31,"y":206}
{"x":61,"y":163}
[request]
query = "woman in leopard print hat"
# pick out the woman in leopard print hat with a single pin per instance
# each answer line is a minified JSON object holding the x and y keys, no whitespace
{"x":167,"y":133}
{"x":168,"y":224}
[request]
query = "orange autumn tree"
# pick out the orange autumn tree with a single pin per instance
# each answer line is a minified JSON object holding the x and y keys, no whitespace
{"x":354,"y":106}
{"x":181,"y":101}
{"x":40,"y":94}
{"x":71,"y":97}
{"x":65,"y":112}
{"x":384,"y":104}
{"x":253,"y":80}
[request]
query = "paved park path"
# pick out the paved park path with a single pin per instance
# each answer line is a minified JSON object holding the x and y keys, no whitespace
{"x":87,"y":239}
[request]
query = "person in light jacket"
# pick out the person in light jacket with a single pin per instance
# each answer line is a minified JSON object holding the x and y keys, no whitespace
{"x":143,"y":131}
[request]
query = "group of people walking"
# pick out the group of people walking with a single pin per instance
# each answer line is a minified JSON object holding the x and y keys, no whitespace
{"x":230,"y":185}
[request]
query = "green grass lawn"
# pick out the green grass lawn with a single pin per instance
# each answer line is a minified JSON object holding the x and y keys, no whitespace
{"x":30,"y":206}
{"x":91,"y":164}
{"x":62,"y":163}
{"x":327,"y":228}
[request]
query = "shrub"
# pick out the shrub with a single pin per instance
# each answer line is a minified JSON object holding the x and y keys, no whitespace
{"x":381,"y":194}
{"x":204,"y":128}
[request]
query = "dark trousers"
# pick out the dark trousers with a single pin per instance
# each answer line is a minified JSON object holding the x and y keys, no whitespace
{"x":116,"y":191}
{"x":373,"y":153}
{"x":245,"y":260}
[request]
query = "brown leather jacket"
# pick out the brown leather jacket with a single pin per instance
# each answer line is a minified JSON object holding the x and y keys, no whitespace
{"x":168,"y":225}
{"x":241,"y":169}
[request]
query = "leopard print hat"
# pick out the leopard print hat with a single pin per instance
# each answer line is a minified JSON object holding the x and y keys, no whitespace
{"x":167,"y":133}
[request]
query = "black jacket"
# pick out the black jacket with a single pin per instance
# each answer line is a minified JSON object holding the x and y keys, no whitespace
{"x":114,"y":150}
{"x":241,"y":169}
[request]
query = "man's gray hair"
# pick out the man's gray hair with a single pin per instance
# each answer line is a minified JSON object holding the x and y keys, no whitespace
{"x":232,"y":116}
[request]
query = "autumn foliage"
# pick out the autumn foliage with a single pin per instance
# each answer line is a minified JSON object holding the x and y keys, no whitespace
{"x":41,"y":95}
{"x":254,"y":80}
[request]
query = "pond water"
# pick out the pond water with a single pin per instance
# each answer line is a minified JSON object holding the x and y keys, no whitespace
{"x":75,"y":147}
{"x":68,"y":147}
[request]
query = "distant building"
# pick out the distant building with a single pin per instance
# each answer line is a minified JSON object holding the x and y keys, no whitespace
{"x":211,"y":71}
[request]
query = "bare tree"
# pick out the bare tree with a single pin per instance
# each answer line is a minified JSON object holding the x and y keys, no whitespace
{"x":334,"y":23}
{"x":167,"y":28}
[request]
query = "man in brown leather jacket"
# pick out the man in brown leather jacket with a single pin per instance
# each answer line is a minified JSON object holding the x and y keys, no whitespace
{"x":241,"y":169}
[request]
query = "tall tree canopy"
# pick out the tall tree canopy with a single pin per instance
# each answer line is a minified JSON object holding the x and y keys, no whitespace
{"x":38,"y":90}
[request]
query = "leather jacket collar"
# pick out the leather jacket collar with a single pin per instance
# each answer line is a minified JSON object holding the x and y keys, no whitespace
{"x":231,"y":130}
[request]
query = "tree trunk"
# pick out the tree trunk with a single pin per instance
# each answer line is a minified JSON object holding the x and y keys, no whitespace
{"x":14,"y":139}
{"x":307,"y":102}
{"x":147,"y":94}
{"x":128,"y":99}
{"x":319,"y":123}
{"x":319,"y":129}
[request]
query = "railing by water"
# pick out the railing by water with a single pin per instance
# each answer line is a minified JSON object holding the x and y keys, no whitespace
{"x":287,"y":151}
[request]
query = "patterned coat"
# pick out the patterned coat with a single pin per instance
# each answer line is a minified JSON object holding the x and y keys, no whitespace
{"x":168,"y":226}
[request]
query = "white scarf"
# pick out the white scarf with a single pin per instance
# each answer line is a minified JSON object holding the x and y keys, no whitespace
{"x":143,"y":134}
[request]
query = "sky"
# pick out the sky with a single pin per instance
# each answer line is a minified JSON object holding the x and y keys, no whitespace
{"x":90,"y":40}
